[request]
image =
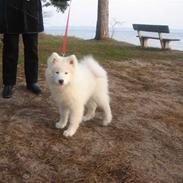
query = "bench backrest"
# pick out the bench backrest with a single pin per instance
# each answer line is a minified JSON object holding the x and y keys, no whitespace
{"x":151,"y":28}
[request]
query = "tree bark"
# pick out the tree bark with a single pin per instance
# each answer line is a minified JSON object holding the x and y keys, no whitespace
{"x":102,"y":30}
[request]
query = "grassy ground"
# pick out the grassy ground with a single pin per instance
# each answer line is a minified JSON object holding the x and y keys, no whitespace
{"x":103,"y":50}
{"x":144,"y":143}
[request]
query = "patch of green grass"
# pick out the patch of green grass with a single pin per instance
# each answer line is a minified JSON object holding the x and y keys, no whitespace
{"x":101,"y":50}
{"x":104,"y":50}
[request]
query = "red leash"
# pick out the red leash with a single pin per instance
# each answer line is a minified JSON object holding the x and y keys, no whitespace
{"x":63,"y":49}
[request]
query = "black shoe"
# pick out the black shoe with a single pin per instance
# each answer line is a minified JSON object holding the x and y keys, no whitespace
{"x":34,"y":88}
{"x":7,"y":91}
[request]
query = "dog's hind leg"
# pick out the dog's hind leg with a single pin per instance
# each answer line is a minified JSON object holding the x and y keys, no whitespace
{"x":108,"y":114}
{"x":91,"y":108}
{"x":103,"y":102}
{"x":64,"y":115}
{"x":75,"y":120}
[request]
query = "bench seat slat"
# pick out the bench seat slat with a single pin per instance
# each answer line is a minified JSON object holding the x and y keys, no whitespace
{"x":168,"y":39}
{"x":164,"y":39}
{"x":149,"y":37}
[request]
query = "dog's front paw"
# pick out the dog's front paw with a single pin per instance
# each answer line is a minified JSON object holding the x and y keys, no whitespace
{"x":107,"y":121}
{"x":60,"y":125}
{"x":85,"y":118}
{"x":88,"y":117}
{"x":69,"y":133}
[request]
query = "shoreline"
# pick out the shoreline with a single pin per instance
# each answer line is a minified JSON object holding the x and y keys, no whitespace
{"x":120,"y":34}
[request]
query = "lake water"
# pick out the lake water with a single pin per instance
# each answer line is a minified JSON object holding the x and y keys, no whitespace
{"x":120,"y":34}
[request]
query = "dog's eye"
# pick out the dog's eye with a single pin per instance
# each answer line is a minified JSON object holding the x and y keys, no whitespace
{"x":57,"y":72}
{"x":66,"y":72}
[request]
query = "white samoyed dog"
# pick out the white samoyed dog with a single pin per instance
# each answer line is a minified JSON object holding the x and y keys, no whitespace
{"x":75,"y":85}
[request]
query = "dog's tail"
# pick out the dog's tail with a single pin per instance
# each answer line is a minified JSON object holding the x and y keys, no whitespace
{"x":94,"y":67}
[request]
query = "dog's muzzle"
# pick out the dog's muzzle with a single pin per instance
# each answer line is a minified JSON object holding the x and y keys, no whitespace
{"x":61,"y":81}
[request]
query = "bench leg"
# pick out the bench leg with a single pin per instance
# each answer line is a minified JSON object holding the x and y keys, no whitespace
{"x":166,"y":45}
{"x":144,"y":42}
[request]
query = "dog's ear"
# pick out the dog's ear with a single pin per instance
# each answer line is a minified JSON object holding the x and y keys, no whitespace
{"x":53,"y":58}
{"x":72,"y":60}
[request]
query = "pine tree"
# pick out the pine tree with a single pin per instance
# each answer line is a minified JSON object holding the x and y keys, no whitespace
{"x":59,"y":4}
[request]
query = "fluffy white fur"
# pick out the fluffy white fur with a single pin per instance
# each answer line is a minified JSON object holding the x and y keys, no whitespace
{"x":75,"y":86}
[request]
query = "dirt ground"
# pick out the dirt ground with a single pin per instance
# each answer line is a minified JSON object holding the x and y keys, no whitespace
{"x":143,"y":144}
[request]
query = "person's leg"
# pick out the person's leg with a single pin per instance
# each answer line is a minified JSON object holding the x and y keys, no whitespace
{"x":10,"y":60}
{"x":31,"y":57}
{"x":30,"y":41}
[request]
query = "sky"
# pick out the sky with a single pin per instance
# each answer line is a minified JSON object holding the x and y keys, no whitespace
{"x":126,"y":12}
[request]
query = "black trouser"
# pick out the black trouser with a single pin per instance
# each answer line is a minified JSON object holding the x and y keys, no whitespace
{"x":10,"y":57}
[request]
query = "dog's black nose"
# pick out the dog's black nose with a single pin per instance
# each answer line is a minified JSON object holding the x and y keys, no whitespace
{"x":61,"y":81}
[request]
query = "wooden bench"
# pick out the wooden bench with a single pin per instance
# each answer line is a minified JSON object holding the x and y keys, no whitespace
{"x":160,"y":29}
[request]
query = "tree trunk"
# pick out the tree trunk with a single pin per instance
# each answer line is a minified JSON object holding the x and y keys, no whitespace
{"x":102,"y":30}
